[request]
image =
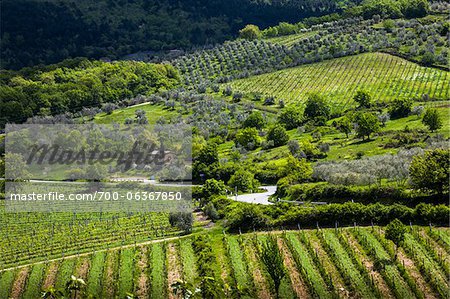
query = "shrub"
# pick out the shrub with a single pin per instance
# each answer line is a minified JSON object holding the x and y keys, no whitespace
{"x":243,"y":181}
{"x":400,"y":108}
{"x":278,"y":135}
{"x":430,"y":172}
{"x":211,"y":212}
{"x":290,"y":117}
{"x":363,"y":98}
{"x":432,"y":119}
{"x":255,"y":120}
{"x":182,"y":220}
{"x":248,"y":138}
{"x":250,"y":32}
{"x":246,"y":217}
{"x":317,"y":107}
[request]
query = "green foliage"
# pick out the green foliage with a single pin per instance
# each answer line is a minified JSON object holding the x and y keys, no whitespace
{"x":299,"y":169}
{"x":182,"y":220}
{"x":363,"y":98}
{"x":345,"y":125}
{"x":432,"y":119}
{"x":400,"y":108}
{"x":205,"y":162}
{"x":395,"y":231}
{"x":211,"y":212}
{"x":44,"y":32}
{"x":243,"y":180}
{"x":317,"y":108}
{"x":255,"y":120}
{"x":248,"y":138}
{"x":290,"y":117}
{"x":430,"y":172}
{"x":428,"y":59}
{"x":250,"y":32}
{"x":90,"y":84}
{"x":278,"y":135}
{"x":367,"y":123}
{"x":415,"y":8}
{"x":272,"y":259}
{"x":212,"y":188}
{"x":245,"y":217}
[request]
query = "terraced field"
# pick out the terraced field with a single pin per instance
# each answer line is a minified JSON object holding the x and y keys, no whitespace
{"x":329,"y":263}
{"x":385,"y":76}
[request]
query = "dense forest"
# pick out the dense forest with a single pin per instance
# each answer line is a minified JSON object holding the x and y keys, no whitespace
{"x":42,"y":32}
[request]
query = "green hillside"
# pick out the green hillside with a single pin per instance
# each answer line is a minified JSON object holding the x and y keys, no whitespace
{"x":385,"y":76}
{"x":42,"y":32}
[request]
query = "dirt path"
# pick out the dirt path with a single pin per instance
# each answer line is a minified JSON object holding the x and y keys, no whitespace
{"x":368,"y":263}
{"x":19,"y":283}
{"x":440,"y":250}
{"x":260,"y":281}
{"x":415,"y":274}
{"x":110,"y":282}
{"x":297,"y":282}
{"x":50,"y":278}
{"x":82,"y":271}
{"x":174,"y":268}
{"x":143,"y":283}
{"x":83,"y":268}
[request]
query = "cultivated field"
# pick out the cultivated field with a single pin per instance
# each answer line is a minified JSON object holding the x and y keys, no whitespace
{"x":329,"y":263}
{"x":384,"y":76}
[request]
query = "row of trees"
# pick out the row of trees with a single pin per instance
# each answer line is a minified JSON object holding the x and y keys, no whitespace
{"x":89,"y":84}
{"x":251,"y":56}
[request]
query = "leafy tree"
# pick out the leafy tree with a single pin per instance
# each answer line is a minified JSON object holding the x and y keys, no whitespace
{"x":363,"y":98}
{"x":255,"y":120}
{"x":299,"y":169}
{"x":317,"y":107}
{"x":432,"y":119}
{"x":250,"y":32}
{"x":395,"y":231}
{"x":416,"y":8}
{"x":290,"y":117}
{"x":243,"y":180}
{"x":428,"y":59}
{"x":278,"y":135}
{"x":15,"y":167}
{"x":400,"y":108}
{"x":345,"y":125}
{"x":366,"y":124}
{"x":246,"y":217}
{"x":248,"y":138}
{"x":213,"y":187}
{"x":430,"y":172}
{"x":182,"y":220}
{"x":208,"y":154}
{"x":272,"y":259}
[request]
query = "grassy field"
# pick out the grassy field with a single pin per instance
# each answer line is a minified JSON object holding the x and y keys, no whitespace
{"x":347,"y":148}
{"x":153,"y":112}
{"x":327,"y":263}
{"x":385,"y":76}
